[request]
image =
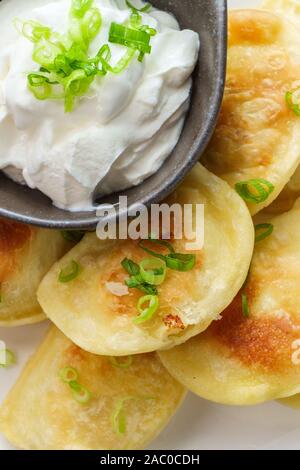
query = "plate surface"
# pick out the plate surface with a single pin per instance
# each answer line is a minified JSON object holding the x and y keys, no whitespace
{"x":198,"y":424}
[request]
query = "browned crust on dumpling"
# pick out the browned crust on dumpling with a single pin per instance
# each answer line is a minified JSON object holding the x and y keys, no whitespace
{"x":13,"y":237}
{"x":260,"y":342}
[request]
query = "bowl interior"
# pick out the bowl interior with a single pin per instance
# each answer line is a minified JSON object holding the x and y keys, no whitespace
{"x":209,"y":19}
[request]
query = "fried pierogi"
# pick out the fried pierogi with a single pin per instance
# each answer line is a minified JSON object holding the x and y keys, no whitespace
{"x":67,"y":399}
{"x":257,"y":136}
{"x":26,"y":254}
{"x":100,"y":320}
{"x":252,"y":354}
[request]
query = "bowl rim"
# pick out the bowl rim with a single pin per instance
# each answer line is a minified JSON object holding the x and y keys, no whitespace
{"x":196,"y":150}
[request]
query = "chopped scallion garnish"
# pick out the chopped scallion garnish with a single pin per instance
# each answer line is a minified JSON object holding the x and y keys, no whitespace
{"x":146,"y":312}
{"x":263,"y":231}
{"x":254,"y":190}
{"x":79,"y":392}
{"x":80,"y":7}
{"x":144,"y":9}
{"x":176,"y":261}
{"x":136,"y":282}
{"x":130,"y":266}
{"x":66,"y":71}
{"x":132,"y":38}
{"x":180,"y":261}
{"x":70,"y":272}
{"x":292,"y":99}
{"x":153,"y":271}
{"x":68,"y":374}
{"x":118,"y":417}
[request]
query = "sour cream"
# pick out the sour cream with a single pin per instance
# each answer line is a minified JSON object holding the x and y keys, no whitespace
{"x":119,"y":134}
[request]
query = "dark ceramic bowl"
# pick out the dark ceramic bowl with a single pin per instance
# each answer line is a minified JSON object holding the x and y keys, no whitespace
{"x":209,"y":19}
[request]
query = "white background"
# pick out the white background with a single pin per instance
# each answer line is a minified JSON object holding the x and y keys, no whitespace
{"x":198,"y":424}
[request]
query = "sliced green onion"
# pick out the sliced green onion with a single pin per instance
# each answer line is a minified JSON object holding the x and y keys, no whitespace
{"x":254,"y":190}
{"x":150,"y":31}
{"x":123,"y":63}
{"x":68,"y":374}
{"x":245,"y":306}
{"x":263,"y":231}
{"x":73,"y":235}
{"x":10,"y":358}
{"x":62,"y":65}
{"x":148,"y":289}
{"x":65,"y":57}
{"x":176,"y":261}
{"x":77,"y":51}
{"x":290,"y":100}
{"x":118,"y":418}
{"x":146,"y":8}
{"x":70,"y":272}
{"x":136,"y":20}
{"x":79,"y":392}
{"x":43,"y":92}
{"x":89,"y":67}
{"x":76,"y":84}
{"x":45,"y":53}
{"x":146,"y":313}
{"x":80,"y":7}
{"x":153,"y":271}
{"x":37,"y":79}
{"x":133,"y":281}
{"x":136,"y":282}
{"x":180,"y":261}
{"x":120,"y":363}
{"x":91,"y":24}
{"x":130,"y":266}
{"x":135,"y":39}
{"x":32,"y":30}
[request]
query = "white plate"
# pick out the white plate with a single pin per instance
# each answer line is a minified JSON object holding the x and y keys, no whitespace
{"x":199,"y":424}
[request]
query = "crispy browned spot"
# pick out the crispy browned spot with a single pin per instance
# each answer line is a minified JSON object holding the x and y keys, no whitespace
{"x":173,"y":322}
{"x":264,"y":342}
{"x":13,"y":236}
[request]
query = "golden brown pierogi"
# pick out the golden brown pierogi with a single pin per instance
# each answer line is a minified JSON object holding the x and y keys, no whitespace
{"x":257,"y":135}
{"x":246,"y":359}
{"x":126,"y":408}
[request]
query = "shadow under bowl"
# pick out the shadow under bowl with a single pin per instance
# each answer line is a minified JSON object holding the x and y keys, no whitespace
{"x":209,"y":19}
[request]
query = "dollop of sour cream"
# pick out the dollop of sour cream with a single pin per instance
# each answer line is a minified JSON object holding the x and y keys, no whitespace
{"x":119,"y":134}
